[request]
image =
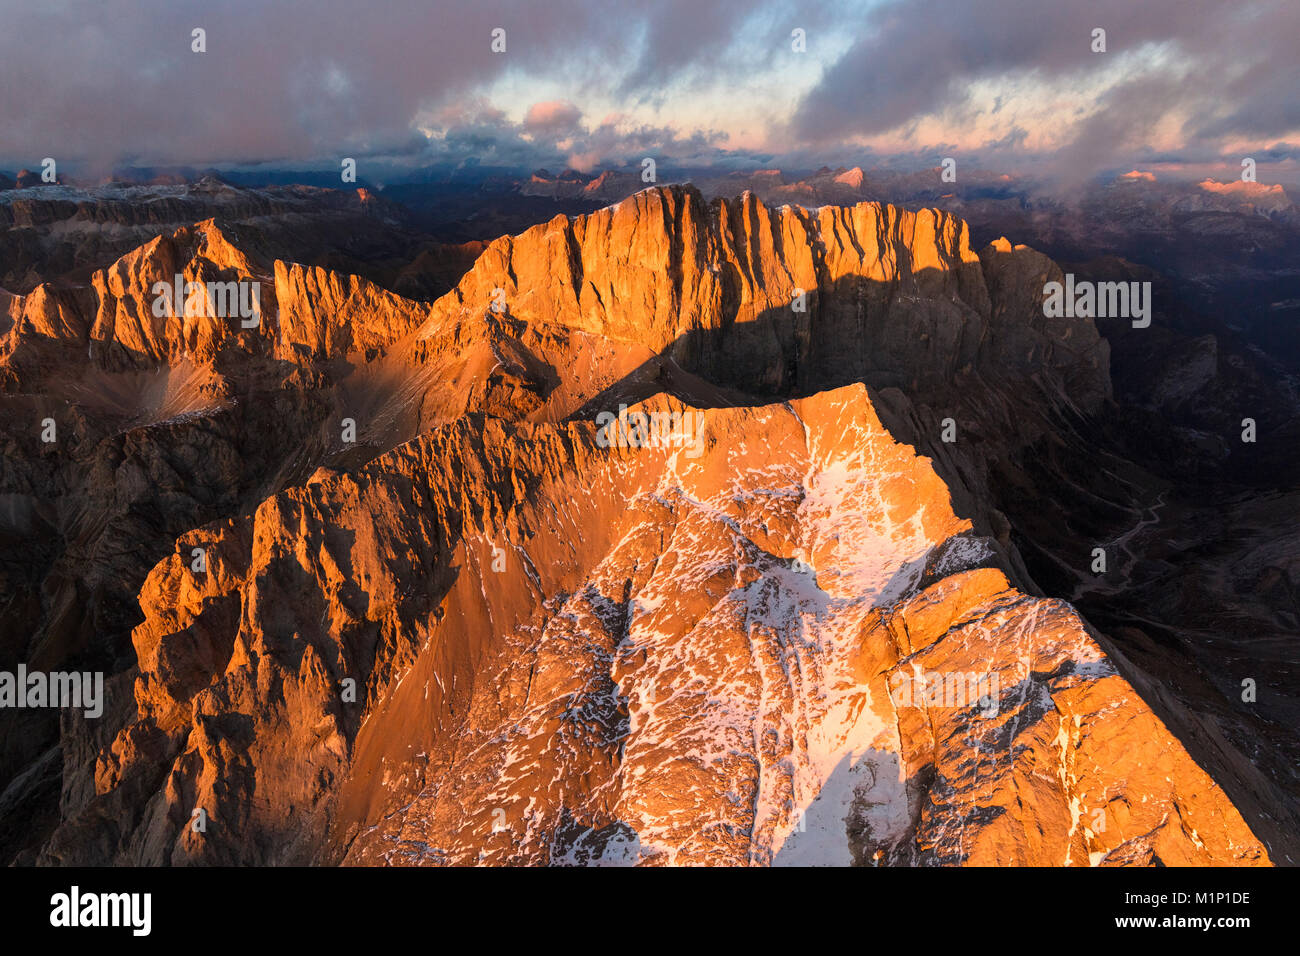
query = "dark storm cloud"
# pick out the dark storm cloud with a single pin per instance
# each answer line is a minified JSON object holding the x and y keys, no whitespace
{"x":309,"y":82}
{"x":117,"y":80}
{"x":1278,"y":152}
{"x":916,"y":58}
{"x":697,"y":37}
{"x":521,"y":146}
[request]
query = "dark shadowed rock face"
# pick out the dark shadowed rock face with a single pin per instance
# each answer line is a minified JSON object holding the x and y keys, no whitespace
{"x":472,"y":629}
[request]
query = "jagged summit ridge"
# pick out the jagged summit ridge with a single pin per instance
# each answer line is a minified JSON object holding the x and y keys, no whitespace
{"x":567,"y":652}
{"x":652,"y":678}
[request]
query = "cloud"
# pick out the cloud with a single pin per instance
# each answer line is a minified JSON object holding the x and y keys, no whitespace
{"x":113,"y":82}
{"x":552,"y":117}
{"x":552,"y":135}
{"x":695,"y":81}
{"x":1211,"y":69}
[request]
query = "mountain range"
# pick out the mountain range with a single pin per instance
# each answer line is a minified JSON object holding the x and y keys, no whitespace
{"x":370,"y":584}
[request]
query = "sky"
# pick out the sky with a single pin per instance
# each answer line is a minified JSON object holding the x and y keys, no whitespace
{"x":1005,"y":85}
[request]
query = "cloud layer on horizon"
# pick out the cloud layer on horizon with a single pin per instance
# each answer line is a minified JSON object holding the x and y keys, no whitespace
{"x":1006,"y":83}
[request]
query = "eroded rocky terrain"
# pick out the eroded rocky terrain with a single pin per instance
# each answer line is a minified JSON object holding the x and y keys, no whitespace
{"x":466,"y":629}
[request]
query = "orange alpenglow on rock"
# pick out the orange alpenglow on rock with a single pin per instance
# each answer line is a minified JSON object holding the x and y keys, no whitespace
{"x":478,"y":634}
{"x":650,"y":679}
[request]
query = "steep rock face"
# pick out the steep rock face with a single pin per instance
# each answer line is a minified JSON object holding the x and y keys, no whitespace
{"x":665,"y":293}
{"x":43,"y":313}
{"x":126,"y":321}
{"x":324,"y":313}
{"x":159,"y":423}
{"x":41,"y":330}
{"x":687,"y":664}
{"x":892,"y":297}
{"x":1068,"y":351}
{"x":681,"y":659}
{"x":1070,"y":742}
{"x":130,"y":332}
{"x":762,"y":301}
